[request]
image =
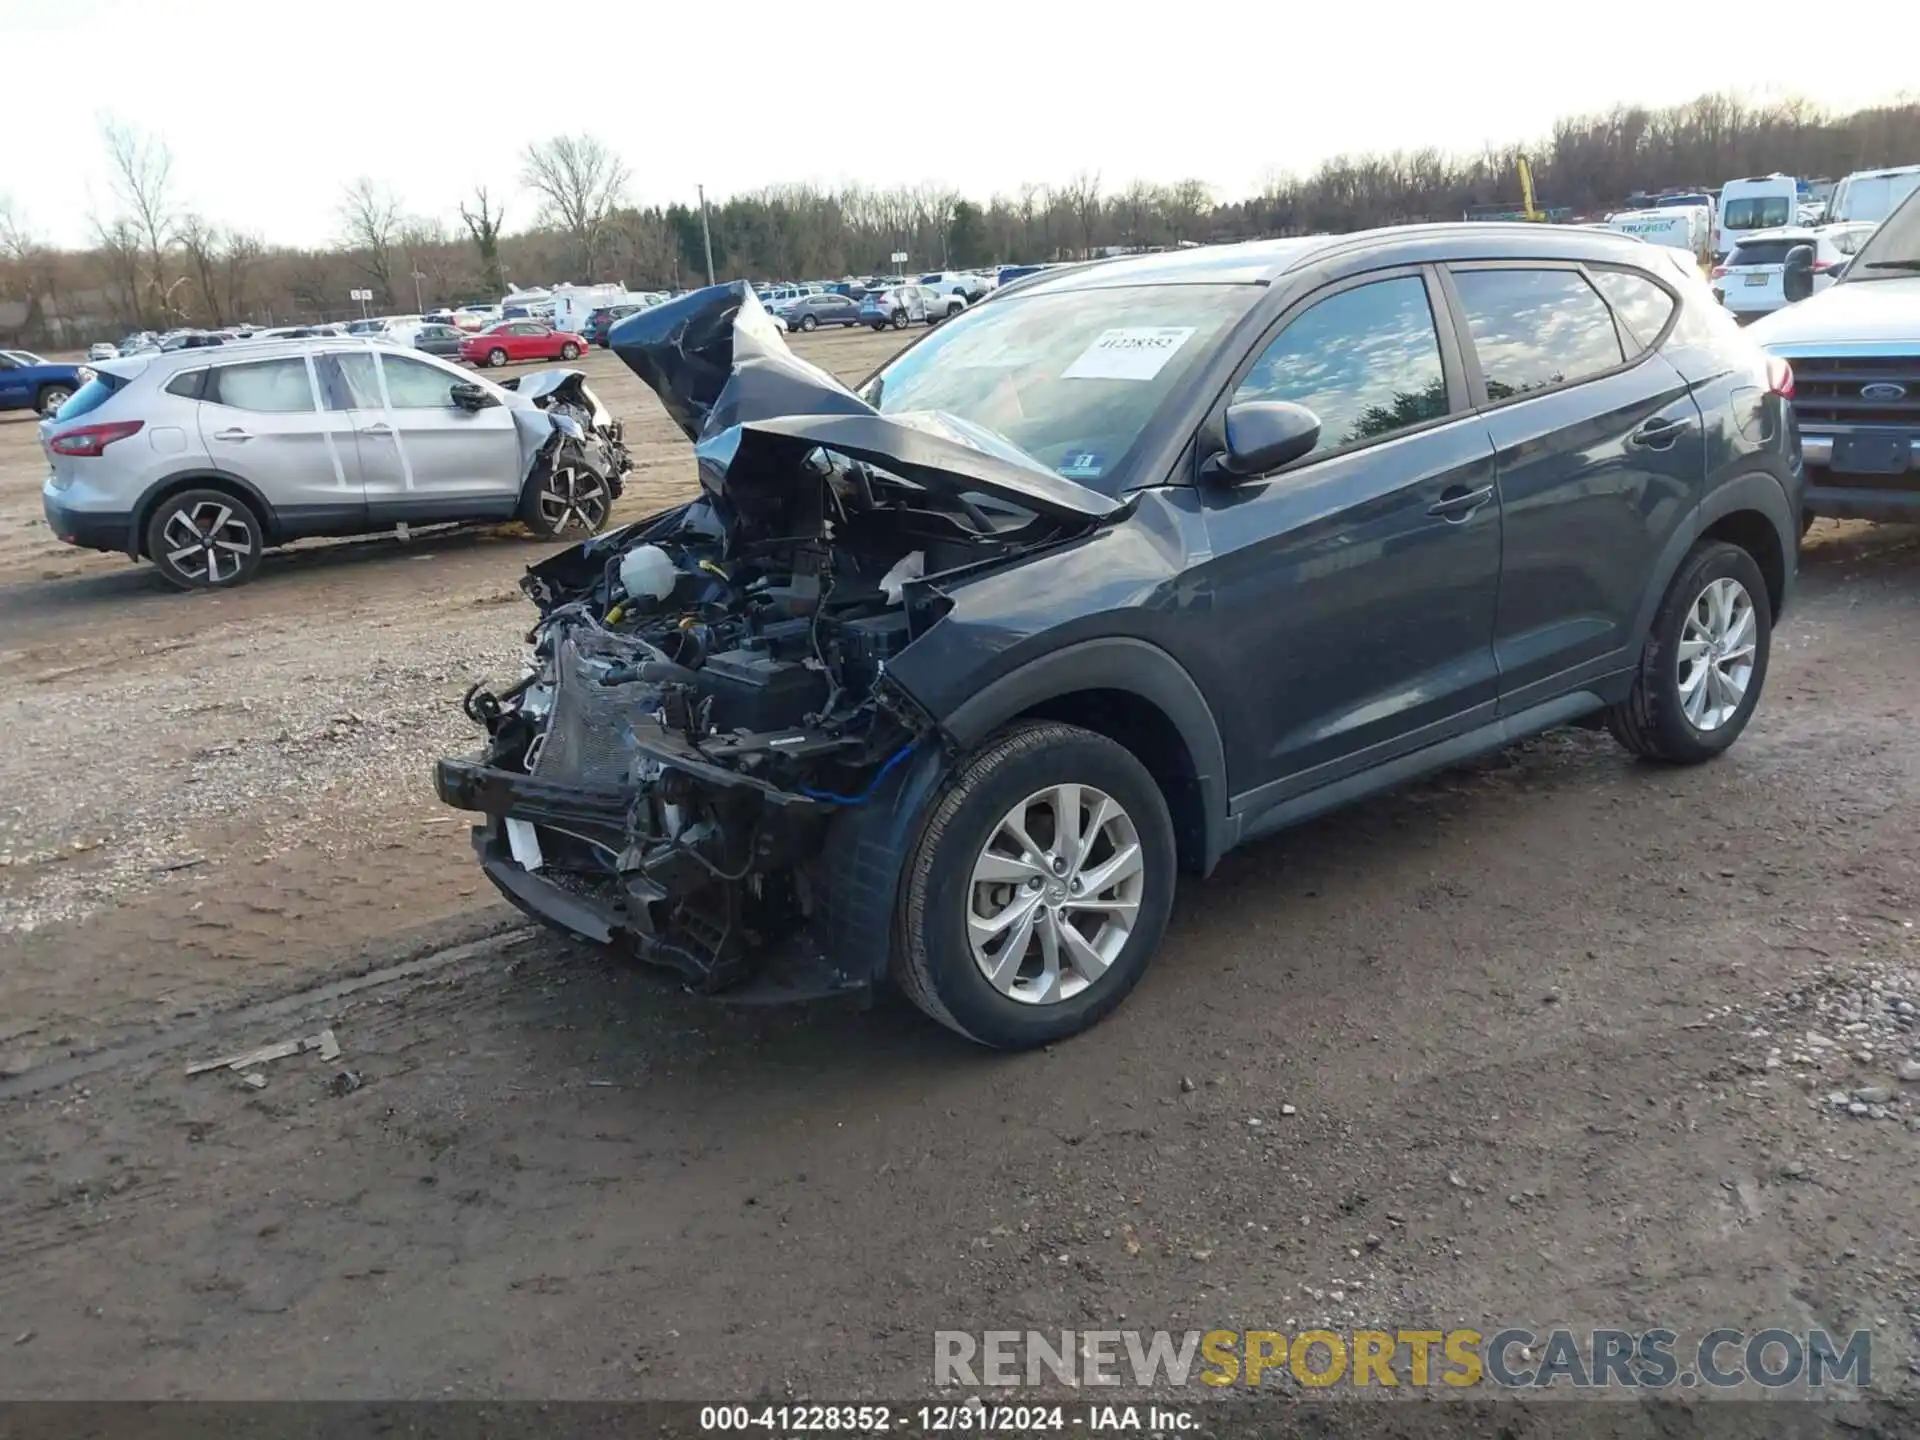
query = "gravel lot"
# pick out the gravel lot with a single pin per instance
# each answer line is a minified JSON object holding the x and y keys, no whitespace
{"x":1553,"y":1038}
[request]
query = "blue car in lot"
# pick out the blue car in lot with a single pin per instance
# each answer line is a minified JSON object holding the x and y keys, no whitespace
{"x":29,"y":383}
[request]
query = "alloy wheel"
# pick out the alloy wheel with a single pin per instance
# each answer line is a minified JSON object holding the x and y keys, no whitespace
{"x":52,"y":400}
{"x":1715,"y":660}
{"x":574,"y":495}
{"x":1054,"y":894}
{"x":208,"y":542}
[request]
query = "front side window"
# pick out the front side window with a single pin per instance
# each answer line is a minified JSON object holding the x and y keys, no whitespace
{"x":415,"y":385}
{"x":1366,"y":361}
{"x":268,"y":386}
{"x":1535,"y":329}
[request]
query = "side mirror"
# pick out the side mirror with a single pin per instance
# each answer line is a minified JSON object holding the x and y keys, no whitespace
{"x":469,"y":396}
{"x":1263,"y":435}
{"x":1796,"y":273}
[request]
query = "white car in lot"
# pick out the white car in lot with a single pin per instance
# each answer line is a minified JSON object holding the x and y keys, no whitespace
{"x":1750,"y":282}
{"x":102,"y":350}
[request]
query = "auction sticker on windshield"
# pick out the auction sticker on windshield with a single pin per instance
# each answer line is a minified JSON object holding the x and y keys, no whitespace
{"x":1133,"y":354}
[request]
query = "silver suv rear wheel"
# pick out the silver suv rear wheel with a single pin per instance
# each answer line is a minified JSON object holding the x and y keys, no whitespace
{"x":205,"y":540}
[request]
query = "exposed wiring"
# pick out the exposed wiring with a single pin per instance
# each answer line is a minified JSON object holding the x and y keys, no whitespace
{"x":871,"y":786}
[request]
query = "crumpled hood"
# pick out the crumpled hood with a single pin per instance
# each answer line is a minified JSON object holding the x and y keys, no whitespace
{"x":1856,"y":312}
{"x":754,"y":409}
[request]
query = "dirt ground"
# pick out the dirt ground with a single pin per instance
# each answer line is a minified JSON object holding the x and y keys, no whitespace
{"x":1557,"y":1037}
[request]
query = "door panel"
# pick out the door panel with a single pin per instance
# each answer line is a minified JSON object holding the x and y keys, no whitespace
{"x":1359,"y":624}
{"x":449,"y":454}
{"x":259,"y":422}
{"x":1593,"y":481}
{"x":1599,"y":457}
{"x":1353,"y":592}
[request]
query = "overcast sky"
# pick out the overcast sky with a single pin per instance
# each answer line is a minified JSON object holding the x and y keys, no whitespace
{"x":272,"y":108}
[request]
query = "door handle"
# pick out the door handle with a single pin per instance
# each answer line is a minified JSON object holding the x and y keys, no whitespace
{"x":236,"y":435}
{"x":377,"y":430}
{"x":1657,"y":434}
{"x":1457,"y":503}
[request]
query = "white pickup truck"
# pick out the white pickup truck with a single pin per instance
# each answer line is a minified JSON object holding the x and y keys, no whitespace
{"x":1855,"y":353}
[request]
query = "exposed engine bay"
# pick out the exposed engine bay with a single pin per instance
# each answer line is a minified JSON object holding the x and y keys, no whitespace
{"x":708,"y":688}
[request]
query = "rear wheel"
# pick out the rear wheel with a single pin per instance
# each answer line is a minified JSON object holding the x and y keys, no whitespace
{"x":51,"y":398}
{"x":1704,"y":663}
{"x":496,"y":357}
{"x":899,"y":319}
{"x":807,"y":322}
{"x":1038,"y":889}
{"x":205,"y":540}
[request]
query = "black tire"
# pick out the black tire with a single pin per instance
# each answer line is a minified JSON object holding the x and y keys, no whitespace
{"x":232,"y":523}
{"x":1652,"y":721}
{"x":570,"y":500}
{"x":807,"y":322}
{"x":50,"y":399}
{"x":878,"y":326}
{"x":569,"y":351}
{"x":899,"y":319}
{"x":933,"y":962}
{"x":496,"y":357}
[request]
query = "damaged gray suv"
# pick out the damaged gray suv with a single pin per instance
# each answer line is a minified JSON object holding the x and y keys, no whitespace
{"x":942,"y":680}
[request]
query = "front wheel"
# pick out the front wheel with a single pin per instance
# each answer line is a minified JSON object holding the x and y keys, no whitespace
{"x":569,"y":499}
{"x":1704,"y":663}
{"x":1038,"y":889}
{"x":496,"y":357}
{"x":205,"y":540}
{"x":569,"y":350}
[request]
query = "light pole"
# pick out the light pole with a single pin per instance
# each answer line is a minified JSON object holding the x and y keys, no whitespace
{"x":418,"y":304}
{"x":706,"y":232}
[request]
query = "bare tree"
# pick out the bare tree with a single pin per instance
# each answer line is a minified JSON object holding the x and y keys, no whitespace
{"x":141,"y":169}
{"x":200,"y":242}
{"x":372,"y":219}
{"x":483,"y":223}
{"x":18,"y":243}
{"x":1082,"y":195}
{"x":581,"y":181}
{"x":240,"y":255}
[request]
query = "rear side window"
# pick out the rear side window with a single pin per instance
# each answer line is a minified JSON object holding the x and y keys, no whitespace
{"x":1758,"y":212}
{"x":1365,"y":360}
{"x":267,"y":386}
{"x":1536,"y":329}
{"x":1642,"y":307}
{"x":90,"y":396}
{"x":188,"y":385}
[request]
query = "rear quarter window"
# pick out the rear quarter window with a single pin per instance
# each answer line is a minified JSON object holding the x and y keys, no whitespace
{"x":90,"y":396}
{"x":1535,"y":330}
{"x":1642,"y":307}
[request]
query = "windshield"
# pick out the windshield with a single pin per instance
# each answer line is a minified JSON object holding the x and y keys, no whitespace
{"x":1072,"y":379}
{"x":1893,"y":249}
{"x":1758,"y":212}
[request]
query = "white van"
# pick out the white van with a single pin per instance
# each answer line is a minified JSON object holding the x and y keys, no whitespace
{"x":1759,"y":202}
{"x":1873,"y":194}
{"x":1677,"y":227}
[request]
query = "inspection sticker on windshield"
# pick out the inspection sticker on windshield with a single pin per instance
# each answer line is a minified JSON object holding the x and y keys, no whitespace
{"x":1138,"y":353}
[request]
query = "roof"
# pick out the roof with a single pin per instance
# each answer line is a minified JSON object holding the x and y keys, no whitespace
{"x":1261,"y":262}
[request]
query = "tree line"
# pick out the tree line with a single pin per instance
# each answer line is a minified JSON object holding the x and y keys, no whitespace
{"x":156,"y":261}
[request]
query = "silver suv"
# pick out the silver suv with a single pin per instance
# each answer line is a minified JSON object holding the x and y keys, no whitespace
{"x":199,"y":460}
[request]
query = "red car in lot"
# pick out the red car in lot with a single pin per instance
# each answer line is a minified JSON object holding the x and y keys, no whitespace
{"x":514,"y":340}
